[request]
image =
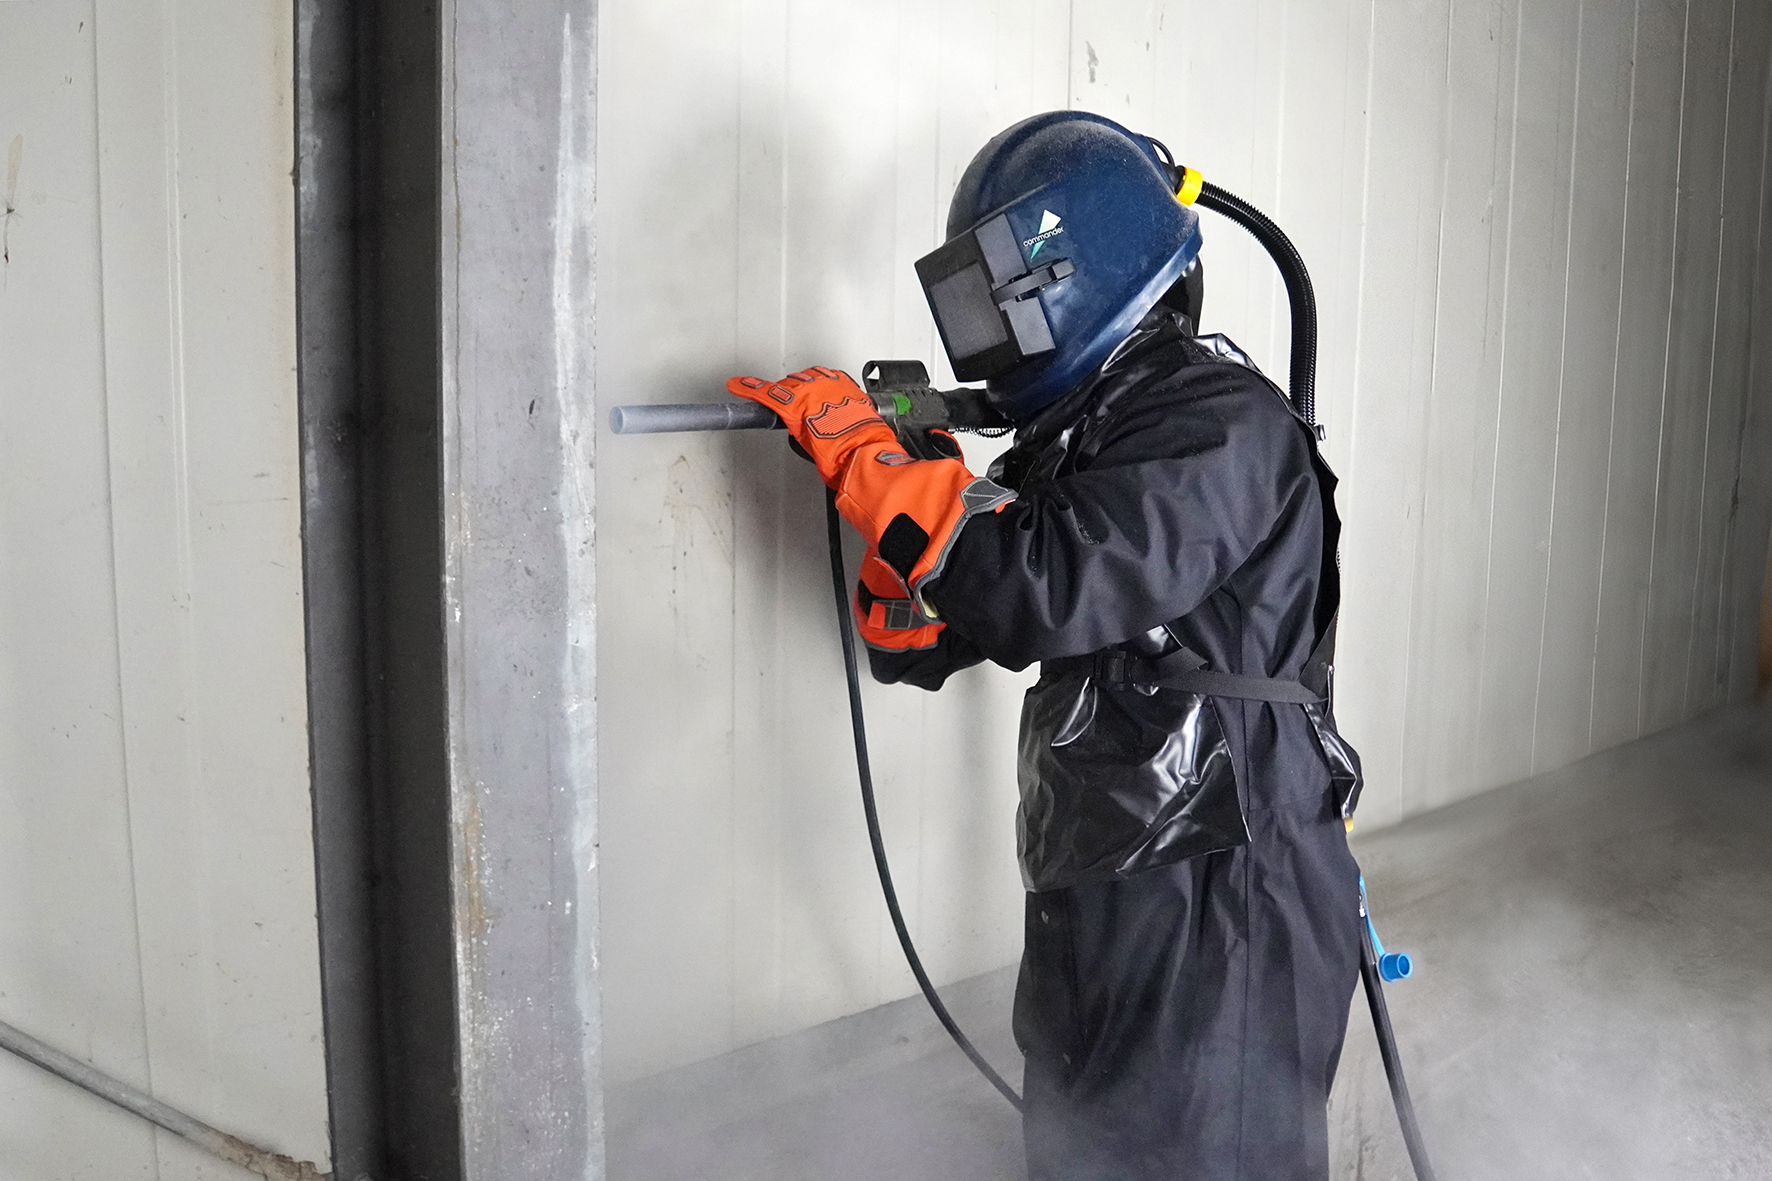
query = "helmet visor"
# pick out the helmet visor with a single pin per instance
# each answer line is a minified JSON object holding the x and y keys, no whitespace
{"x":986,"y":300}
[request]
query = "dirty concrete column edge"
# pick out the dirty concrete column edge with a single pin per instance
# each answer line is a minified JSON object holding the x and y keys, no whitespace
{"x":518,"y":437}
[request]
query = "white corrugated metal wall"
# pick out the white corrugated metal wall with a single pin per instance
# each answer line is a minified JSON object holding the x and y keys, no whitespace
{"x":156,"y":866}
{"x":1535,"y":230}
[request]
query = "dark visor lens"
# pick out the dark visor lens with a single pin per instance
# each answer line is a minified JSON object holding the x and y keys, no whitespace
{"x":969,"y":320}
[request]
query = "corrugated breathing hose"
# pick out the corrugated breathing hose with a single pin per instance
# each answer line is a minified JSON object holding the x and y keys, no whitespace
{"x":1300,"y":296}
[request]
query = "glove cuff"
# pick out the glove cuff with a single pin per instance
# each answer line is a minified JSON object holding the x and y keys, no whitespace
{"x":893,"y":624}
{"x":912,"y":510}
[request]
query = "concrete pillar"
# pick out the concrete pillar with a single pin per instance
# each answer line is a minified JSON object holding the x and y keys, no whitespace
{"x":519,"y":101}
{"x":444,"y":229}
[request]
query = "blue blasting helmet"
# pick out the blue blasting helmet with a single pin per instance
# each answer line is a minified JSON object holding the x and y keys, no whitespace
{"x":1063,"y":233}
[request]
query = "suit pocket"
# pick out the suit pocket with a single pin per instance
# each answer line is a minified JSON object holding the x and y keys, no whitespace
{"x":1345,"y":778}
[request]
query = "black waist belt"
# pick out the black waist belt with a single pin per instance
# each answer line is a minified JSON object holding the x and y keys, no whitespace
{"x":1117,"y":669}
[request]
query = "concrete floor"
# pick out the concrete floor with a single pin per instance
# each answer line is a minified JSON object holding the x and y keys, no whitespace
{"x":1593,"y":998}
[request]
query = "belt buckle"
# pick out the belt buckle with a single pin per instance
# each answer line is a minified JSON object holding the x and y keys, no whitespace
{"x":1112,"y":669}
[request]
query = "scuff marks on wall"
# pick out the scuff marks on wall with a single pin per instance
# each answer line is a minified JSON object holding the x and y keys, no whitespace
{"x":1765,"y":678}
{"x":696,"y":492}
{"x":15,"y":156}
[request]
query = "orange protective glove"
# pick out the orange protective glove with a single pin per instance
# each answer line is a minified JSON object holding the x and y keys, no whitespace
{"x":909,"y":510}
{"x":885,"y":614}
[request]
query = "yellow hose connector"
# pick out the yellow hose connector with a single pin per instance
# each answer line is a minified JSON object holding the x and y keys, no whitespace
{"x":1191,"y":184}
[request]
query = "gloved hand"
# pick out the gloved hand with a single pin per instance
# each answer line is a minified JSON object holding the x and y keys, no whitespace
{"x":909,"y":510}
{"x":931,"y":443}
{"x":824,"y":410}
{"x":885,"y":614}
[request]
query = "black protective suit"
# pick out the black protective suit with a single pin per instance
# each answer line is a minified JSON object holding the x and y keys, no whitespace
{"x":1192,"y":923}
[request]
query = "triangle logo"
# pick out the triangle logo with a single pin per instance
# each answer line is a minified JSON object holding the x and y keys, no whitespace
{"x":1048,"y":221}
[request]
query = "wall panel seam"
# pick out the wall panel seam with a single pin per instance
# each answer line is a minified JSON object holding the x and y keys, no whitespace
{"x":1276,"y":296}
{"x":1630,"y":139}
{"x":1755,"y":346}
{"x":1070,"y":67}
{"x":1666,"y":374}
{"x":1507,"y":267}
{"x":129,"y":817}
{"x":1710,"y":385}
{"x":1418,"y":579}
{"x":1724,"y":632}
{"x":177,"y":426}
{"x":1353,"y":418}
{"x":1550,"y":536}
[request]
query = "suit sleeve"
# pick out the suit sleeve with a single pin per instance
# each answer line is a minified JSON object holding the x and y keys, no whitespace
{"x":927,"y":668}
{"x":1170,"y":506}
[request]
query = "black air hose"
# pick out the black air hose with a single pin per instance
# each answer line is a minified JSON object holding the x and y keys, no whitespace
{"x":1302,"y":380}
{"x":1393,"y":1062}
{"x":864,"y":769}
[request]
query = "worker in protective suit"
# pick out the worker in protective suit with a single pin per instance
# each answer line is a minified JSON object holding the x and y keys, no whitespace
{"x":1161,"y":538}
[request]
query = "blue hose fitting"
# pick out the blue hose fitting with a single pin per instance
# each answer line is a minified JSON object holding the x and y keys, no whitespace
{"x":1392,"y":965}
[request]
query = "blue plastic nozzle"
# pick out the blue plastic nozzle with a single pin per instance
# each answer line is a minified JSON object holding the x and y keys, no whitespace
{"x":1392,"y":965}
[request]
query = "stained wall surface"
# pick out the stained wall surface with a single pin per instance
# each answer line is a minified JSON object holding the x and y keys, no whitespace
{"x":1535,"y":230}
{"x":156,"y":870}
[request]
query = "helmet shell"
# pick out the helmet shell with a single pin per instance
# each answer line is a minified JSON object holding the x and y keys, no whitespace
{"x":1078,"y":186}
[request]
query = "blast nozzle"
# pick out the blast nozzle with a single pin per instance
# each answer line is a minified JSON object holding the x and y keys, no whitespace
{"x":735,"y":414}
{"x":900,"y":390}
